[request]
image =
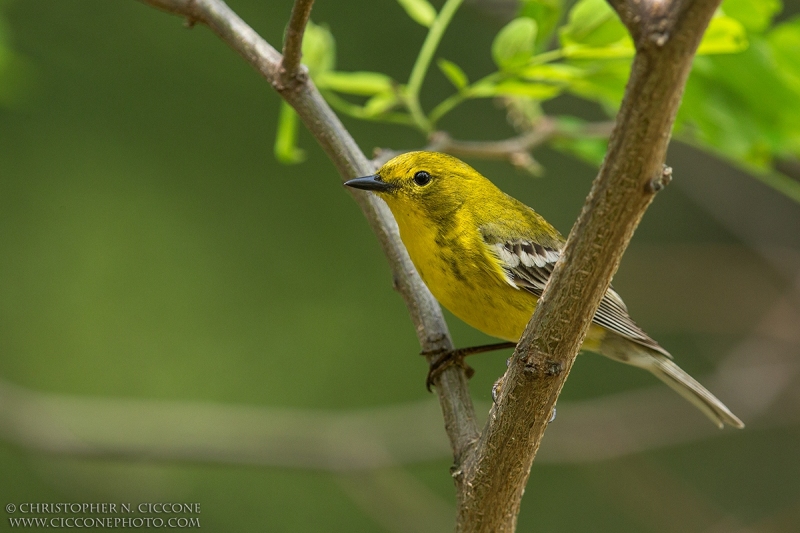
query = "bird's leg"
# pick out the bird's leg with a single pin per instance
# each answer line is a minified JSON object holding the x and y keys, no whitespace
{"x":456,"y":357}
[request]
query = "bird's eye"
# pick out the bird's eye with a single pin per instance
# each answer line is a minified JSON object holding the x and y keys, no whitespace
{"x":422,"y":178}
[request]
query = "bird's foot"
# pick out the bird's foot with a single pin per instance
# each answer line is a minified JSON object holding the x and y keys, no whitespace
{"x":444,"y":360}
{"x":448,"y":358}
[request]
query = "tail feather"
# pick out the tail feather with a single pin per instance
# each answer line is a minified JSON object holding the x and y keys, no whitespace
{"x":685,"y":385}
{"x":662,"y":367}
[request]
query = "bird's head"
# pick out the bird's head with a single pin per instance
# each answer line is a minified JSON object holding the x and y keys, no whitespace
{"x":429,"y":183}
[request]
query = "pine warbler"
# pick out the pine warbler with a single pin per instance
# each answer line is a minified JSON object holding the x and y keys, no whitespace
{"x":487,"y":258}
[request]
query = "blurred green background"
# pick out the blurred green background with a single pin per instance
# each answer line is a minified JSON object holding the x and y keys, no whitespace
{"x":151,"y":248}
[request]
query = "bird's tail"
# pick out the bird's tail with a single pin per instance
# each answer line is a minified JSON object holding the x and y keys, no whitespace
{"x":662,"y":367}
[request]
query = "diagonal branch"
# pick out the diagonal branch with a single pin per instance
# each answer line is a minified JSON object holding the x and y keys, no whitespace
{"x":516,"y":150}
{"x":434,"y":337}
{"x":497,"y":470}
{"x":291,"y":74}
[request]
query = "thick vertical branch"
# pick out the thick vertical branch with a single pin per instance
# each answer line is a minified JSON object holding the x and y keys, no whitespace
{"x":457,"y":407}
{"x":666,"y":34}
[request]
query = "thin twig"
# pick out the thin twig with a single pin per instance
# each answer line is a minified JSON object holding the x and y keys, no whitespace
{"x":515,"y":149}
{"x":341,"y":148}
{"x":420,"y":68}
{"x":505,"y":149}
{"x":291,"y":74}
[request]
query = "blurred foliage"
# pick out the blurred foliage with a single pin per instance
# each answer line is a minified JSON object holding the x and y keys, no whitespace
{"x":741,"y":102}
{"x":15,"y":73}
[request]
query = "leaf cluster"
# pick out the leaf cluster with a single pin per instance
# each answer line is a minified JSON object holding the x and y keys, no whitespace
{"x":742,"y":100}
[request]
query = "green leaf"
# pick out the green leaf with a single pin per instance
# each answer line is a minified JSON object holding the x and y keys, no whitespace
{"x":602,"y":81}
{"x":453,"y":73}
{"x":596,"y":41}
{"x":319,"y":49}
{"x":724,"y":35}
{"x":784,"y":42}
{"x":619,"y":50}
{"x":515,"y":43}
{"x":537,"y":91}
{"x":592,"y":23}
{"x":546,"y":13}
{"x":742,"y":106}
{"x":421,"y":11}
{"x":594,"y":31}
{"x":380,"y":103}
{"x":589,"y":149}
{"x":755,"y":15}
{"x":360,"y":83}
{"x":286,"y":150}
{"x":554,"y":73}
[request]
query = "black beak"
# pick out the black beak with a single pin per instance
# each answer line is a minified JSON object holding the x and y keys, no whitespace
{"x":370,"y":183}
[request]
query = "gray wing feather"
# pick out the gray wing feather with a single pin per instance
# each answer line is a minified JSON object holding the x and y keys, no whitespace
{"x":528,"y":266}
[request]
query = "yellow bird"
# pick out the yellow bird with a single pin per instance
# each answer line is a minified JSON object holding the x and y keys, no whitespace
{"x":487,"y":258}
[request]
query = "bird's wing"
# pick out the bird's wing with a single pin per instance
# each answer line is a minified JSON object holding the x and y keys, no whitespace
{"x":528,"y":265}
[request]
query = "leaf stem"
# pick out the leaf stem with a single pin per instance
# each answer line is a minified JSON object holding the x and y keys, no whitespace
{"x":447,"y":105}
{"x":423,"y":61}
{"x":546,"y":57}
{"x":356,"y":111}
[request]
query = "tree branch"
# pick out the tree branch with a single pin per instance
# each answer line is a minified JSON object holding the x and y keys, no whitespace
{"x":291,"y":72}
{"x":516,"y":150}
{"x":457,"y":407}
{"x":496,"y":471}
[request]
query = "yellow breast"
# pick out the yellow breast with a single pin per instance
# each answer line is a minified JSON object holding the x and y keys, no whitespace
{"x":464,"y":276}
{"x":461,"y":273}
